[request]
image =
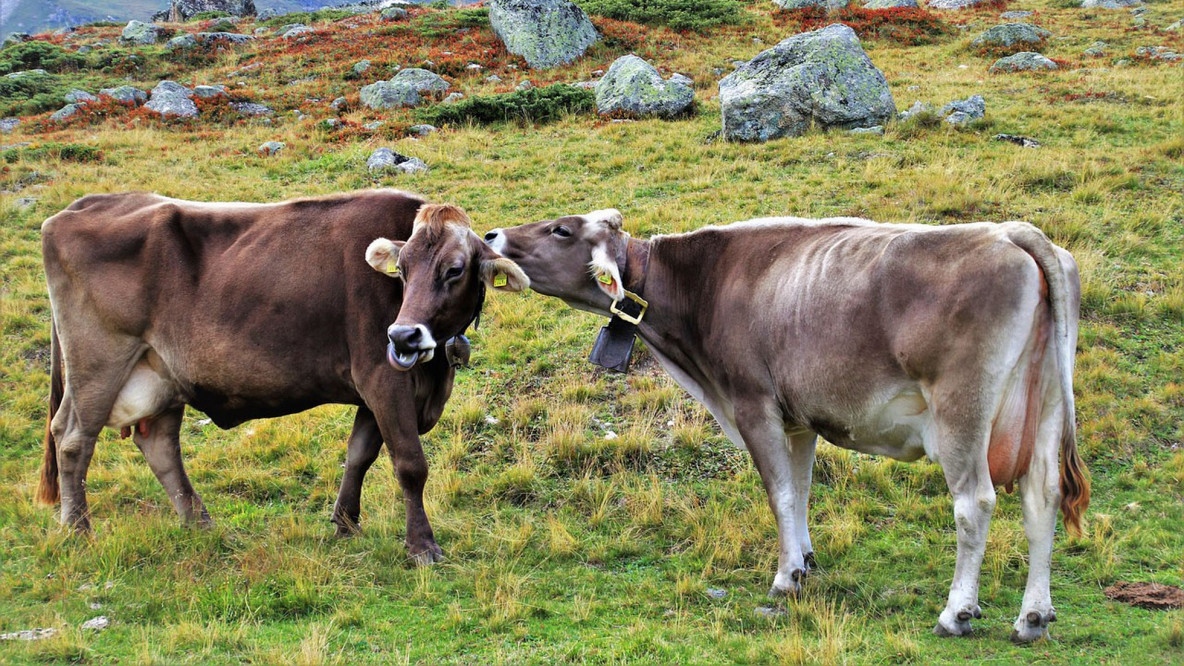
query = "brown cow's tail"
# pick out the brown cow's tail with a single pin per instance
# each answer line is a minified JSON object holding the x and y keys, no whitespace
{"x":47,"y":489}
{"x":1074,"y":475}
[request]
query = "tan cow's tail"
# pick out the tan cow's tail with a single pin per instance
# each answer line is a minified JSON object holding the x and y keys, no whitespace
{"x":47,"y":490}
{"x":1074,"y":475}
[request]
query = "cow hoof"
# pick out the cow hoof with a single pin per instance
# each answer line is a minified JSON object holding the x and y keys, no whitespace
{"x":957,"y":624}
{"x":787,"y":586}
{"x":1032,"y":626}
{"x":811,"y":563}
{"x":426,"y":555}
{"x":345,"y":527}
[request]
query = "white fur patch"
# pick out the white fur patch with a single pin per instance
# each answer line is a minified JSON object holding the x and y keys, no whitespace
{"x":604,"y":266}
{"x":610,"y":217}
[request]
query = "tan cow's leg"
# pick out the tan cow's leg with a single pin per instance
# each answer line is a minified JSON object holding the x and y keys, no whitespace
{"x":1040,"y":495}
{"x":801,"y":461}
{"x":763,"y":431}
{"x":398,"y":425}
{"x":161,"y":446}
{"x":365,"y":442}
{"x":963,"y":452}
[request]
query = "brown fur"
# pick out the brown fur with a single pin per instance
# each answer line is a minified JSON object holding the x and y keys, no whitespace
{"x":47,"y":489}
{"x":1074,"y":486}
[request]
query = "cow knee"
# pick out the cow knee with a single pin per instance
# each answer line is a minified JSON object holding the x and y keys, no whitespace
{"x":413,"y":474}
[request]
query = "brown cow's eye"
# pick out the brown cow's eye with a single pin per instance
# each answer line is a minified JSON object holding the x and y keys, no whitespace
{"x":454,"y":272}
{"x":562,"y":232}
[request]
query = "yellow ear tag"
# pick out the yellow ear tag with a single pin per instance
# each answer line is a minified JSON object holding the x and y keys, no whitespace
{"x":392,"y":268}
{"x":605,"y":278}
{"x":500,"y":280}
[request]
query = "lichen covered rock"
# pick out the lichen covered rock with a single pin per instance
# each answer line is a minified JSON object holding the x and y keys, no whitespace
{"x":1011,"y":34}
{"x":1024,"y":61}
{"x":405,"y":89}
{"x":633,"y":87}
{"x":138,"y":32}
{"x":546,"y":33}
{"x":821,"y":78}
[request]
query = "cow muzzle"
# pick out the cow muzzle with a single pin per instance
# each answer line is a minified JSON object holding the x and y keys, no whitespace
{"x":409,"y":345}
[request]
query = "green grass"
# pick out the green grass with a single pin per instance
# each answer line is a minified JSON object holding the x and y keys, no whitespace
{"x":562,"y":545}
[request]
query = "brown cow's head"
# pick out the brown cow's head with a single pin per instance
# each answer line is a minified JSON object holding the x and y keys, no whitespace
{"x":444,"y":267}
{"x":574,"y":258}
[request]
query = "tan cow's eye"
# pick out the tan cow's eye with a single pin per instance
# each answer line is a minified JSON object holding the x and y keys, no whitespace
{"x":562,"y":232}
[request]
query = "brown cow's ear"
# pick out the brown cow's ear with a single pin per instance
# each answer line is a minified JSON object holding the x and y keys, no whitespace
{"x":383,"y":256}
{"x":504,"y":275}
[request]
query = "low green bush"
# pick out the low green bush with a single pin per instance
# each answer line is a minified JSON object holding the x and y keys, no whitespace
{"x":439,"y":25}
{"x":696,"y":15}
{"x":537,"y":105}
{"x":38,"y":55}
{"x":308,"y":18}
{"x":67,"y":152}
{"x":28,"y":94}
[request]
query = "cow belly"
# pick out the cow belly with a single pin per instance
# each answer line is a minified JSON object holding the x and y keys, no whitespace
{"x":145,"y":394}
{"x":897,"y":427}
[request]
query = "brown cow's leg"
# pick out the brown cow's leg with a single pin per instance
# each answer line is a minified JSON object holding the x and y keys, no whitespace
{"x":76,"y":445}
{"x":160,"y":442}
{"x":763,"y":431}
{"x":398,"y":423}
{"x":801,"y":459}
{"x":365,"y":441}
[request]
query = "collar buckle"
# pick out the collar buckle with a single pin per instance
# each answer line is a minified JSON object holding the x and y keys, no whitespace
{"x":633,"y":310}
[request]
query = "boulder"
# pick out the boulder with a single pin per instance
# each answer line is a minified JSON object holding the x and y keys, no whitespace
{"x":962,"y":111}
{"x":183,"y":10}
{"x":269,"y":148}
{"x":393,"y":14}
{"x":1110,"y":4}
{"x":423,"y":129}
{"x":1024,"y":61}
{"x":546,"y":33}
{"x":385,"y":159}
{"x":821,"y":78}
{"x":125,"y":94}
{"x":66,"y":112}
{"x":918,"y":107}
{"x":206,"y":92}
{"x":296,"y":31}
{"x":1158,"y":53}
{"x":232,"y":37}
{"x":252,"y":108}
{"x":138,"y":32}
{"x":633,"y":87}
{"x":890,"y":4}
{"x":9,"y":124}
{"x":954,"y":4}
{"x":403,"y":89}
{"x":77,"y":96}
{"x":360,"y":67}
{"x":171,"y":99}
{"x":802,"y":4}
{"x":1011,"y":34}
{"x":17,"y":38}
{"x":185,"y":41}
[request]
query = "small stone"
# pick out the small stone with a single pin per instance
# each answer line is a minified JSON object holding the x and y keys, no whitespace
{"x":876,"y":129}
{"x":9,"y":124}
{"x":97,"y":623}
{"x":338,"y":103}
{"x":65,"y":113}
{"x":231,"y":37}
{"x":27,"y":72}
{"x":1158,"y":53}
{"x":769,"y":612}
{"x":125,"y":94}
{"x":207,"y":92}
{"x":1109,"y":4}
{"x":393,"y":14}
{"x":360,"y":67}
{"x":916,"y":108}
{"x":252,"y":109}
{"x":25,"y":202}
{"x":96,"y":606}
{"x":77,"y":96}
{"x":524,"y":85}
{"x":453,"y":97}
{"x":1010,"y":34}
{"x":493,"y":78}
{"x":682,"y":79}
{"x":373,"y":125}
{"x":271,"y":148}
{"x":421,"y":130}
{"x":491,"y":420}
{"x":30,"y":634}
{"x":1008,"y":16}
{"x":610,"y":435}
{"x":185,"y":41}
{"x":1024,"y":61}
{"x":331,"y":124}
{"x":474,"y":67}
{"x":1018,"y":140}
{"x":716,"y":593}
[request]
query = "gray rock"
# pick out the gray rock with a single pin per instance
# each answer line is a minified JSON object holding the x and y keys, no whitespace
{"x":138,"y":32}
{"x":66,"y":112}
{"x":769,"y":612}
{"x":185,"y":41}
{"x":296,"y":31}
{"x":125,"y":94}
{"x":170,"y":98}
{"x":1024,"y":61}
{"x":453,"y":97}
{"x":547,"y":33}
{"x":493,"y":78}
{"x":360,"y":67}
{"x":17,"y":38}
{"x":962,"y":111}
{"x":875,"y":129}
{"x":252,"y":109}
{"x":271,"y":148}
{"x":77,"y":96}
{"x":206,"y":92}
{"x":404,"y":89}
{"x":1175,"y":27}
{"x":338,"y":103}
{"x":954,"y":4}
{"x":716,"y":593}
{"x":97,"y":623}
{"x":373,"y":125}
{"x":890,"y":4}
{"x":1011,"y":16}
{"x":28,"y":202}
{"x":680,"y":78}
{"x":820,"y":78}
{"x":331,"y":123}
{"x":524,"y":85}
{"x":393,"y":14}
{"x":1096,"y":50}
{"x":633,"y":87}
{"x":1158,"y":53}
{"x":1010,"y":34}
{"x":422,"y":129}
{"x":232,"y":37}
{"x":1018,"y":140}
{"x":917,"y":108}
{"x":26,"y":72}
{"x":1109,"y":4}
{"x":800,"y":4}
{"x":261,"y":31}
{"x":385,"y":159}
{"x":30,"y":634}
{"x":183,"y":10}
{"x":9,"y":124}
{"x":473,"y":67}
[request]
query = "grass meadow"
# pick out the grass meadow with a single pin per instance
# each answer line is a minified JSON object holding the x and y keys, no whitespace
{"x":563,"y":544}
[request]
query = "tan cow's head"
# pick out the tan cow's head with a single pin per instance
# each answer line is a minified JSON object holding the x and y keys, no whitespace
{"x":443,"y":266}
{"x":576,"y":258}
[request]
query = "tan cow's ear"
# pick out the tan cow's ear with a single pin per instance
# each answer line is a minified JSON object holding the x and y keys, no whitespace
{"x":504,"y":275}
{"x":606,"y":273}
{"x":383,"y":256}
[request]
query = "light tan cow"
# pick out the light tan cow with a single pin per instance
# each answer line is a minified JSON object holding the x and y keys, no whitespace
{"x":954,"y":343}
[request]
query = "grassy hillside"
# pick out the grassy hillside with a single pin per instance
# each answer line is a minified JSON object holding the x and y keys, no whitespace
{"x":564,"y":544}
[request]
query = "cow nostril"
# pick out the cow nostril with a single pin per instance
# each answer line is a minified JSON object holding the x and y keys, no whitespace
{"x":414,"y":335}
{"x":491,"y":235}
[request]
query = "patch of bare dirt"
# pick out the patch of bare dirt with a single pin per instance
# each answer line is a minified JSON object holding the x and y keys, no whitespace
{"x":1147,"y":595}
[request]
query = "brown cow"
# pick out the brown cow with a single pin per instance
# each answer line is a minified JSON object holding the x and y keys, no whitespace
{"x":953,"y":342}
{"x":248,"y":311}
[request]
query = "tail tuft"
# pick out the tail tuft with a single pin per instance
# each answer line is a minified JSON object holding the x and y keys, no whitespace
{"x":48,"y":491}
{"x":1074,"y":487}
